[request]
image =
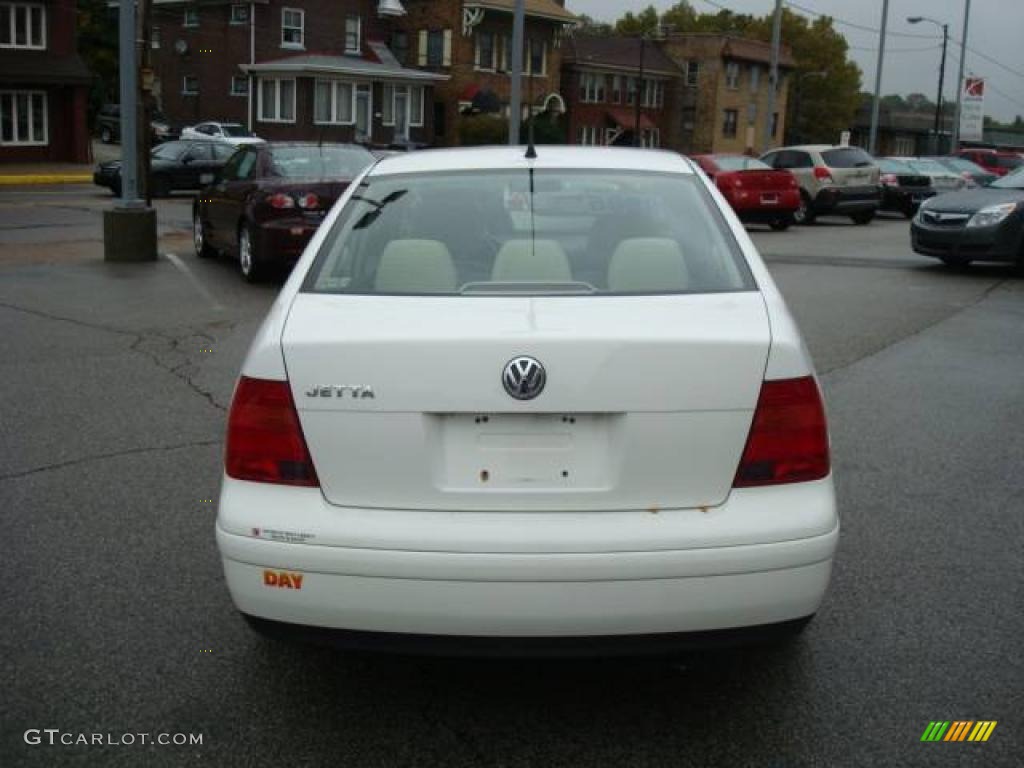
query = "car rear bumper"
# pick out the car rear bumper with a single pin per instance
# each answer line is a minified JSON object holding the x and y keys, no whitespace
{"x":284,"y":240}
{"x":905,"y":198}
{"x":765,"y":205}
{"x":847,"y":200}
{"x":467,"y":588}
{"x":999,"y":243}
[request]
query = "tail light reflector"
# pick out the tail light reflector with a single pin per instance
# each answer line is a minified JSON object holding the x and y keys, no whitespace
{"x":308,"y":200}
{"x":822,"y":174}
{"x":265,"y":443}
{"x":788,"y":440}
{"x":281,"y":200}
{"x":889,"y":179}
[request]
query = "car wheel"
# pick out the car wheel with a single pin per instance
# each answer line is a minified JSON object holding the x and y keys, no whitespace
{"x":804,"y":214}
{"x":106,"y":136}
{"x":203,"y":248}
{"x":864,"y":217}
{"x":247,"y":262}
{"x":781,"y":224}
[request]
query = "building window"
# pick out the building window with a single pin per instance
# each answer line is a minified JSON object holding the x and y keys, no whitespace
{"x":631,"y":90}
{"x":775,"y":124}
{"x":591,"y":88}
{"x":755,"y":77}
{"x":411,"y":99}
{"x":416,"y":105}
{"x":239,"y":13}
{"x":364,"y":112}
{"x":650,"y":138}
{"x":588,"y":135}
{"x":189,"y":85}
{"x":239,"y":85}
{"x":729,"y":124}
{"x":732,"y":75}
{"x":353,"y":34}
{"x":486,"y":51}
{"x":435,"y":48}
{"x":191,"y":18}
{"x":293,"y":22}
{"x":536,"y":57}
{"x":23,"y":118}
{"x":400,"y":46}
{"x":616,"y":94}
{"x":277,"y":100}
{"x":334,"y":103}
{"x":692,"y":73}
{"x":22,"y":25}
{"x":653,"y":94}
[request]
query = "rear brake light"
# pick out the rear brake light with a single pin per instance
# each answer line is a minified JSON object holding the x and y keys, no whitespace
{"x":822,"y":174}
{"x":265,"y":442}
{"x":308,"y":200}
{"x":889,"y":179}
{"x":788,"y":440}
{"x":281,"y":200}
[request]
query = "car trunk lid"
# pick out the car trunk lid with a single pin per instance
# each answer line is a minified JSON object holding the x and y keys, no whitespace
{"x":402,"y":403}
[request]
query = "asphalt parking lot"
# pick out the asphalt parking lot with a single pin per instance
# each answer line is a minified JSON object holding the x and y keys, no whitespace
{"x":116,"y":379}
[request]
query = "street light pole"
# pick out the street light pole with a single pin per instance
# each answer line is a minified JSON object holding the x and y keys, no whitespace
{"x":773,"y":74}
{"x":875,"y":103}
{"x":955,"y":142}
{"x":942,"y":73}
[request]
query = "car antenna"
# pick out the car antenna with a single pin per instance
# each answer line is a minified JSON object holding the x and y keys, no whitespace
{"x":531,"y":149}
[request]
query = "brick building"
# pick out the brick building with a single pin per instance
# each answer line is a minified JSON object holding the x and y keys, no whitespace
{"x":601,"y":80}
{"x":470,"y":42}
{"x":725,"y":96}
{"x":291,"y":69}
{"x":43,"y":84}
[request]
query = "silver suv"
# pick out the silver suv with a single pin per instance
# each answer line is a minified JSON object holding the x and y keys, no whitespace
{"x":839,"y":180}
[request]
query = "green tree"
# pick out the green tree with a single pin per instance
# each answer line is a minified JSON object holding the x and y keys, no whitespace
{"x":643,"y":23}
{"x":97,"y":45}
{"x":587,"y":26}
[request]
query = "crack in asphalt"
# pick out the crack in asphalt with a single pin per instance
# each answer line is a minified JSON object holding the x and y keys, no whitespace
{"x":112,"y":455}
{"x":960,"y":309}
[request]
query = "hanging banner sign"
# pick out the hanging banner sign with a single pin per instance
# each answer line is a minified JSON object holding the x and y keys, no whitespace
{"x":972,"y":110}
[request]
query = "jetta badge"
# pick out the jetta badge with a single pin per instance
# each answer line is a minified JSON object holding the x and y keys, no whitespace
{"x":354,"y":391}
{"x":523,"y":378}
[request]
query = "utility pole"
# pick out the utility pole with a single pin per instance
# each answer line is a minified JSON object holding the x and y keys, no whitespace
{"x":142,"y":32}
{"x":129,"y":229}
{"x":773,"y":74}
{"x":873,"y":140}
{"x":515,"y":100}
{"x":955,"y":142}
{"x":942,"y":80}
{"x":639,"y":92}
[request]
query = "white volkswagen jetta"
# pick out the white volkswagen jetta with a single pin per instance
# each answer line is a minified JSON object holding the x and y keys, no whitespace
{"x":552,"y":401}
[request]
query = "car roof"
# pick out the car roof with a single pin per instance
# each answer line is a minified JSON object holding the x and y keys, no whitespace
{"x":548,"y":156}
{"x":813,"y":147}
{"x":328,"y":144}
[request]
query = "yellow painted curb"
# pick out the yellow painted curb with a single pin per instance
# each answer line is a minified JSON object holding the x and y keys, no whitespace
{"x":53,"y":178}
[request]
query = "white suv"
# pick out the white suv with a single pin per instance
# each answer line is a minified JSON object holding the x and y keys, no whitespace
{"x":505,"y":399}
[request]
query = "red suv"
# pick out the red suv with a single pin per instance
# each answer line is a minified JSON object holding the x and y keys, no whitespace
{"x":992,"y":160}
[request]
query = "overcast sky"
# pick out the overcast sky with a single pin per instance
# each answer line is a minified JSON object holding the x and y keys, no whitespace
{"x":996,"y":29}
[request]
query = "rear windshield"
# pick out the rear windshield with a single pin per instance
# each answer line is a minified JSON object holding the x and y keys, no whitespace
{"x":236,"y":131}
{"x":544,"y":232}
{"x":847,"y":157}
{"x":170,"y":150}
{"x":320,"y":162}
{"x":740,"y":163}
{"x":930,"y":167}
{"x":888,"y":165}
{"x":960,"y":164}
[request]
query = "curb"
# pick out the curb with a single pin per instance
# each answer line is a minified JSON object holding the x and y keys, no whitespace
{"x":51,"y":178}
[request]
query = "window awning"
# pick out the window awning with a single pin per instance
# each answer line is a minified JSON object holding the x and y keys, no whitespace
{"x":625,"y":118}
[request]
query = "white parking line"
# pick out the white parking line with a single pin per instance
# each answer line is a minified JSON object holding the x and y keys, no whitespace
{"x":181,"y":265}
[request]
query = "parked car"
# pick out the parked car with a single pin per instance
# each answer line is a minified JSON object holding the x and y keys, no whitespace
{"x":985,"y":224}
{"x":975,"y":175}
{"x":108,"y":125}
{"x":270,"y":198}
{"x":756,"y":191}
{"x":516,"y":404}
{"x":174,"y":166}
{"x":903,"y":187}
{"x":943,"y":179}
{"x":833,"y":180}
{"x":993,"y":160}
{"x":232,"y":133}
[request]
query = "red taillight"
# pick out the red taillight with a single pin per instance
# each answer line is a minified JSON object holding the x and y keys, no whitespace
{"x":788,"y":440}
{"x":281,"y":200}
{"x":889,"y":179}
{"x":308,"y":200}
{"x":822,"y":174}
{"x":265,"y":442}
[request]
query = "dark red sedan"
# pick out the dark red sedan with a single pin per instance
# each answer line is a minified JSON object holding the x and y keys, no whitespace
{"x":267,"y":201}
{"x":756,"y":191}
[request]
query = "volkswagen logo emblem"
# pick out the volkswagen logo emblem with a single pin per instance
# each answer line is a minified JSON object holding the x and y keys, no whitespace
{"x":523,"y":378}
